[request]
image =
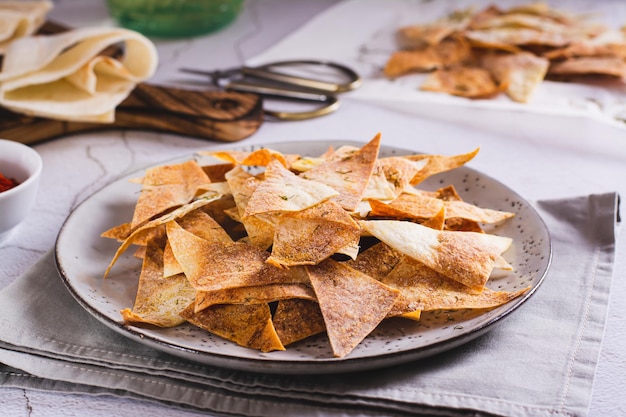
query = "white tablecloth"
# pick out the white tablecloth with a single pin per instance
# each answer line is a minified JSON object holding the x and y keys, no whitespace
{"x":530,"y":154}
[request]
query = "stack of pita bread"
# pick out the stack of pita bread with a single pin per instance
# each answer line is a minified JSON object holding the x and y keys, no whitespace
{"x":66,"y":76}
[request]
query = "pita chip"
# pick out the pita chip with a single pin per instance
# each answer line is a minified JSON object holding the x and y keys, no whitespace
{"x":420,"y":206}
{"x":283,"y":191}
{"x":248,"y":325}
{"x":211,"y":266}
{"x":470,"y":82}
{"x":611,"y":66}
{"x":348,"y":175}
{"x":522,"y":73}
{"x":466,"y":257}
{"x":376,"y":261}
{"x":439,"y":163}
{"x":255,"y":294}
{"x":422,"y":285}
{"x":242,"y":184}
{"x":139,"y":235}
{"x":166,"y":187}
{"x":296,"y":319}
{"x":419,"y":36}
{"x":159,"y":300}
{"x":340,"y":291}
{"x":307,"y":237}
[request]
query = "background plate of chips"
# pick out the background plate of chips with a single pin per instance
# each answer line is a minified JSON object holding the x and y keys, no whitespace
{"x":83,"y":255}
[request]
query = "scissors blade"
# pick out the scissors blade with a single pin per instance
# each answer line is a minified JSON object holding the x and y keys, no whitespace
{"x":277,"y":91}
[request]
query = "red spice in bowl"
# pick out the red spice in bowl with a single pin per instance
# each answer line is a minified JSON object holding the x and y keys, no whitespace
{"x":7,"y":183}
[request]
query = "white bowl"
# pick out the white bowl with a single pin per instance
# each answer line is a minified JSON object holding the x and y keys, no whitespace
{"x":24,"y":164}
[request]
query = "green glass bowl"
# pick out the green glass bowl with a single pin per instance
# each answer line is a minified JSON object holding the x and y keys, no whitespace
{"x":174,"y":18}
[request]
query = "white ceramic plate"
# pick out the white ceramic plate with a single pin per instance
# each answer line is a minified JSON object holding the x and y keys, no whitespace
{"x":82,"y":256}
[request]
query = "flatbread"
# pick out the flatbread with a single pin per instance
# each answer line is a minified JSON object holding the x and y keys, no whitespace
{"x":21,"y":18}
{"x":63,"y":76}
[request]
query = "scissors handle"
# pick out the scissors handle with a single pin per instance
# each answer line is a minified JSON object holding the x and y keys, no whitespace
{"x":329,"y":103}
{"x":265,"y":72}
{"x":264,"y":80}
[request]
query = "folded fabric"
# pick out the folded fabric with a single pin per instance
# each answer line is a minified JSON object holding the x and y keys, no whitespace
{"x":67,"y":76}
{"x":540,"y":361}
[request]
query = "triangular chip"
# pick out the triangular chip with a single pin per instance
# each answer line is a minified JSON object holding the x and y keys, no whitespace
{"x":159,"y":300}
{"x":451,"y":51}
{"x":242,"y":185}
{"x":351,"y":249}
{"x":378,"y":187}
{"x":248,"y":325}
{"x":340,"y":291}
{"x":400,"y":171}
{"x":611,"y":66}
{"x":470,"y":82}
{"x":119,"y":232}
{"x":259,"y":157}
{"x":420,"y":206}
{"x":419,"y":36}
{"x":312,"y":235}
{"x":522,"y":20}
{"x":283,"y":191}
{"x":376,"y":261}
{"x":296,"y":319}
{"x":147,"y":229}
{"x":200,"y":224}
{"x":521,"y":73}
{"x":421,"y":285}
{"x":349,"y":175}
{"x":439,"y":163}
{"x":213,"y":266}
{"x":166,"y":187}
{"x":256,"y":294}
{"x":438,"y":221}
{"x":510,"y":38}
{"x":465,"y":257}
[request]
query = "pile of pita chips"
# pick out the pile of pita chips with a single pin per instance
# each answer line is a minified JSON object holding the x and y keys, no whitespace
{"x":266,"y":249}
{"x":70,"y":75}
{"x":480,"y":54}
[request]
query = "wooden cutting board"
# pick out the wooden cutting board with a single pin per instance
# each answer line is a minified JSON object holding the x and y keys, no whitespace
{"x":207,"y":114}
{"x":213,"y":115}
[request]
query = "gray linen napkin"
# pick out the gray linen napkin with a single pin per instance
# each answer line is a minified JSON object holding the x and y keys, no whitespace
{"x":539,"y":362}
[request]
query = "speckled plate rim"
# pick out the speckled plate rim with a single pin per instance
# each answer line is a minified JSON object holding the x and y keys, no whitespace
{"x":88,"y":289}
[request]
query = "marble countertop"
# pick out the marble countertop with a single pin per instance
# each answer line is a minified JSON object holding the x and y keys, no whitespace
{"x":77,"y":166}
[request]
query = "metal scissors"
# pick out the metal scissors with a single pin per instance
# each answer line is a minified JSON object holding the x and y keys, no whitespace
{"x":282,"y":80}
